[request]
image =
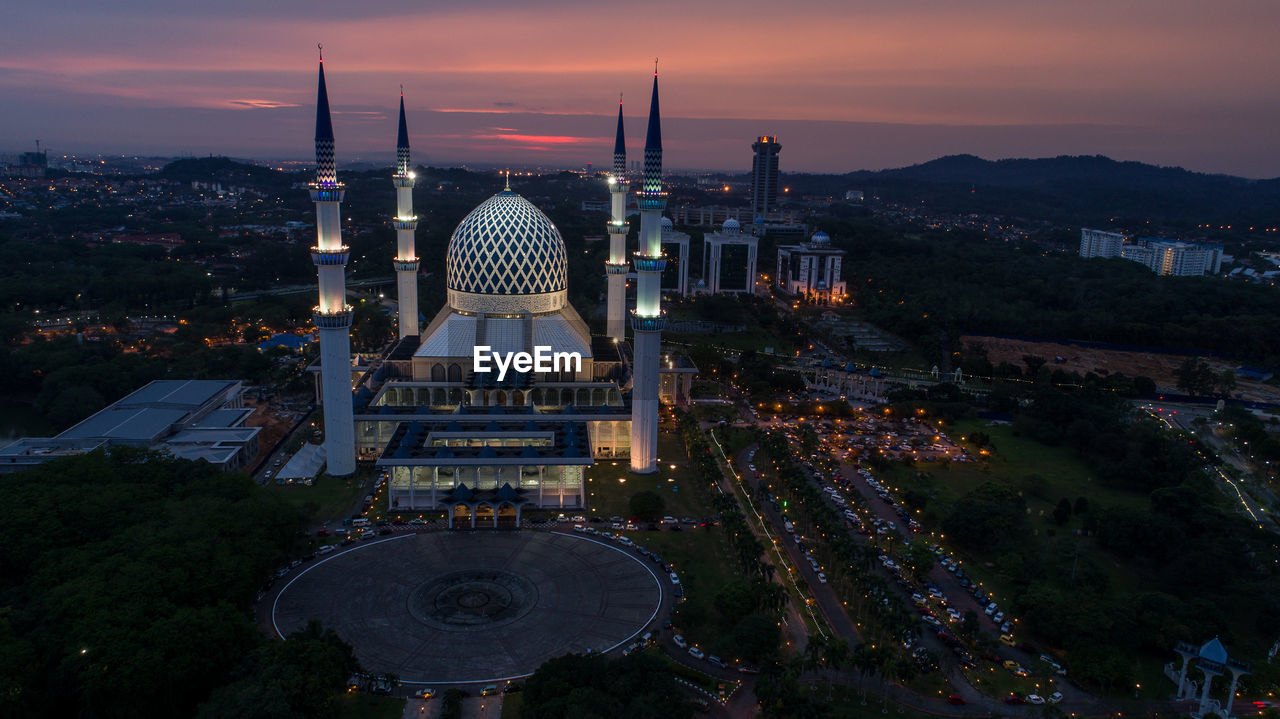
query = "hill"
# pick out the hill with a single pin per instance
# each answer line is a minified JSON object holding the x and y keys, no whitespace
{"x":1071,"y":190}
{"x":224,"y":170}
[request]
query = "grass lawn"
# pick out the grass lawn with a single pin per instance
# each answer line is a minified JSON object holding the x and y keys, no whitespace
{"x":365,"y":706}
{"x":933,"y":684}
{"x":610,"y":484}
{"x":511,"y":704}
{"x":329,"y":498}
{"x":846,"y":702}
{"x":1043,"y":475}
{"x":716,"y":413}
{"x":754,"y":337}
{"x":996,"y":681}
{"x":700,"y":555}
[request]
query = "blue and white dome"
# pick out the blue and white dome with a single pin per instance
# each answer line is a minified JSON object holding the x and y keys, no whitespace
{"x":820,"y":238}
{"x":506,"y":256}
{"x":667,"y":224}
{"x":731,"y":226}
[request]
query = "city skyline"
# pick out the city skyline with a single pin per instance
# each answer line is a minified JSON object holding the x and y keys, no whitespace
{"x":845,"y":87}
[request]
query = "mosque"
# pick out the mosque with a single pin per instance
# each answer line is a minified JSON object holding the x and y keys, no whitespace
{"x":482,"y":441}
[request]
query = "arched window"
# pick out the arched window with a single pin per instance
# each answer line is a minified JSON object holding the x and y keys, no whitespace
{"x":437,"y":373}
{"x":455,"y":373}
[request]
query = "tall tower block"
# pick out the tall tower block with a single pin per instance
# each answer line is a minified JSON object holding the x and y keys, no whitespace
{"x":333,"y":315}
{"x":406,"y":262}
{"x":616,"y":267}
{"x":648,"y":321}
{"x":764,"y":175}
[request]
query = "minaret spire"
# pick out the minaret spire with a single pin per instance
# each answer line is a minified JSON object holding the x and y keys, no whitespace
{"x":402,"y":141}
{"x":620,"y":147}
{"x":653,"y":142}
{"x":326,"y":172}
{"x":616,"y":267}
{"x":406,"y":223}
{"x":648,"y":320}
{"x":332,"y":316}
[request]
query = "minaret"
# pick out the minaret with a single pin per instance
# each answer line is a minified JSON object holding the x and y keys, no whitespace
{"x":648,"y":320}
{"x":333,"y":315}
{"x":616,"y":267}
{"x":406,"y":262}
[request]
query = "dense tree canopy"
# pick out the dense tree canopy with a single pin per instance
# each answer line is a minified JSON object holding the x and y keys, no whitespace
{"x":575,"y":686}
{"x":933,"y":288}
{"x":125,"y":585}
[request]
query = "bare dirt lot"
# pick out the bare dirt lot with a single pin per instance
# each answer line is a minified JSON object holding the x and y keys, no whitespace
{"x":1158,"y":366}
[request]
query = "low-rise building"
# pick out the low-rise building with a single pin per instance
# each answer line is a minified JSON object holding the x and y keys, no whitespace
{"x":193,"y":419}
{"x":812,"y":270}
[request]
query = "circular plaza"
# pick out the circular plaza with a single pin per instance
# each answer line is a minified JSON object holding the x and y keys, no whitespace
{"x":446,"y":607}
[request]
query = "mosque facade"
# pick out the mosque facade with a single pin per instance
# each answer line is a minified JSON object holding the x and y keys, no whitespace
{"x":486,"y":441}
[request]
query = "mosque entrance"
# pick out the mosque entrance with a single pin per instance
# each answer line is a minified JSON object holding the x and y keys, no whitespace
{"x":460,"y":517}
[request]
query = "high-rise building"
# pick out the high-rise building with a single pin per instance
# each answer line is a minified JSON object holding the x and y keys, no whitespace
{"x":764,"y":175}
{"x":1175,"y":259}
{"x":1099,"y":243}
{"x":333,"y":315}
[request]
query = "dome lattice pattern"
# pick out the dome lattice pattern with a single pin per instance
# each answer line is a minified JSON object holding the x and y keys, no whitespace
{"x":507,"y":246}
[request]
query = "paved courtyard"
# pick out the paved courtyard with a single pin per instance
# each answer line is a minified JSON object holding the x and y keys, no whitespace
{"x":444,"y":607}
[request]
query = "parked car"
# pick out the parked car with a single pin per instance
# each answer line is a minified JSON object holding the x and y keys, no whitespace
{"x":1035,"y":699}
{"x":1055,"y":697}
{"x":696,"y":653}
{"x":679,"y":641}
{"x":955,"y":699}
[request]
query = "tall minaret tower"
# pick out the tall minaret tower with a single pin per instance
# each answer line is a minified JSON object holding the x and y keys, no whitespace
{"x":616,"y":267}
{"x":333,"y":315}
{"x":406,"y":262}
{"x":648,"y":320}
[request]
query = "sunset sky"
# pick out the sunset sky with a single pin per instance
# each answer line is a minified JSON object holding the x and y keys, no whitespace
{"x":845,"y":84}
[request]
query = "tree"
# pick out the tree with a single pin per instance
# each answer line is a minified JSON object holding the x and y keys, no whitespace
{"x":756,"y":637}
{"x":303,"y":674}
{"x":1195,"y":376}
{"x":155,"y":634}
{"x":1082,"y":505}
{"x":1062,"y":513}
{"x":637,"y":686}
{"x":918,"y":557}
{"x":1033,"y":364}
{"x":647,"y":506}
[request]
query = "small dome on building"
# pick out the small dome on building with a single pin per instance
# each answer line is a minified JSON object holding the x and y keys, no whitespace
{"x":820,"y":238}
{"x":667,"y":224}
{"x":731,"y":226}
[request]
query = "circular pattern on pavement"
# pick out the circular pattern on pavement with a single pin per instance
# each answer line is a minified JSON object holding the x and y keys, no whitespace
{"x":472,"y":607}
{"x":473,"y":599}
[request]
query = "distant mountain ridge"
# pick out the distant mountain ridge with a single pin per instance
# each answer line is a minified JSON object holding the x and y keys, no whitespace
{"x":1078,"y":189}
{"x":1030,"y":171}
